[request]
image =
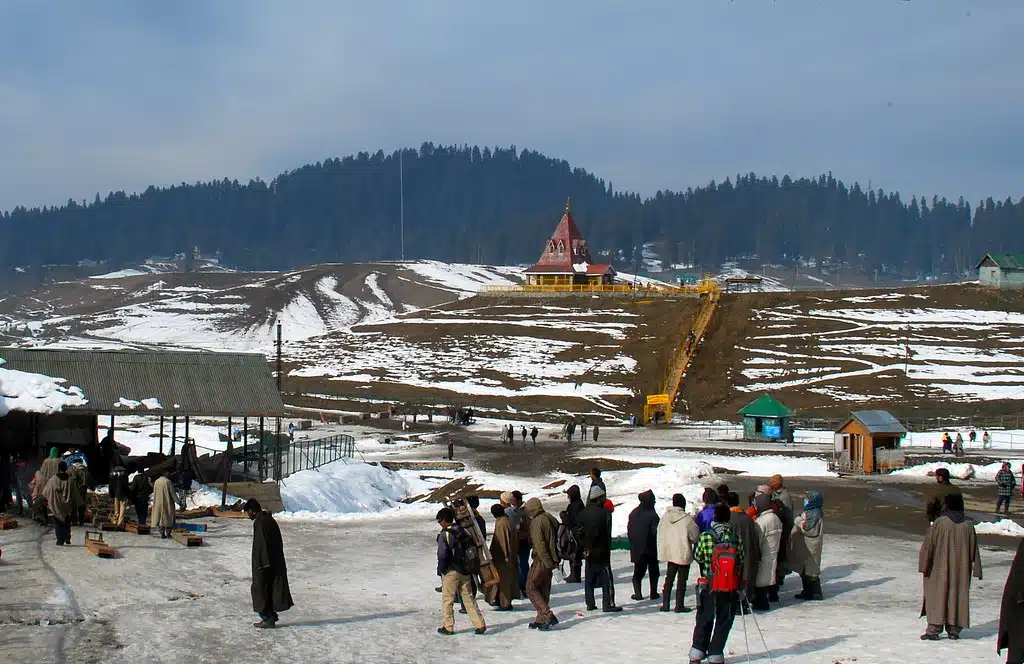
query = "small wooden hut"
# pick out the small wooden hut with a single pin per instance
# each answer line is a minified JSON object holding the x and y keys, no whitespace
{"x":765,"y":418}
{"x":869,"y":442}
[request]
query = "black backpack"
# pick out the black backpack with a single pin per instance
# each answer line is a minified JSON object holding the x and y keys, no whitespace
{"x":465,"y":554}
{"x":566,"y":544}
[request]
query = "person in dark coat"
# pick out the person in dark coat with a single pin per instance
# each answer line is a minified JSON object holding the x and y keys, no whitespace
{"x":573,"y":512}
{"x":745,"y":527}
{"x":1011,"y":614}
{"x":642,"y":530}
{"x":943,"y":488}
{"x":141,"y":489}
{"x":533,"y":435}
{"x":270,"y":592}
{"x":596,"y":432}
{"x":596,"y":544}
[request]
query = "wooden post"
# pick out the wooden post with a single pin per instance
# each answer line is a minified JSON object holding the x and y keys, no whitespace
{"x":111,"y":425}
{"x":245,"y":446}
{"x":186,"y":430}
{"x":174,"y":432}
{"x":161,"y":434}
{"x":230,"y":433}
{"x":277,"y":451}
{"x":262,"y":461}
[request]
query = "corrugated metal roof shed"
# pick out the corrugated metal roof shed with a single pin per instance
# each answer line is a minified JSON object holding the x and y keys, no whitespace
{"x":876,"y":421}
{"x":1005,"y":261}
{"x":184,"y":383}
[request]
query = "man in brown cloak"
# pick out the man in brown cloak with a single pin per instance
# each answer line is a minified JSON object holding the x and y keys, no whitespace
{"x":948,"y":557}
{"x":505,"y":554}
{"x":270,"y":592}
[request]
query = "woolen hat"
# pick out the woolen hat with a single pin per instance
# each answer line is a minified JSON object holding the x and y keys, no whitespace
{"x":595,"y":492}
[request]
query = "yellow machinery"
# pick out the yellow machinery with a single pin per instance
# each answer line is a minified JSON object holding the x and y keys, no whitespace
{"x":658,"y":403}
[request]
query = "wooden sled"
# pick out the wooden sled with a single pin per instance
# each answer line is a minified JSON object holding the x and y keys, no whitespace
{"x":229,"y":514}
{"x":137,"y":528}
{"x":6,"y":523}
{"x":191,"y":527}
{"x":464,"y":517}
{"x":186,"y":538}
{"x":111,"y":527}
{"x":94,"y":542}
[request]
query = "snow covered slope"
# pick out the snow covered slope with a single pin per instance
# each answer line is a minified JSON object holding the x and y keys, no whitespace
{"x":233,"y":310}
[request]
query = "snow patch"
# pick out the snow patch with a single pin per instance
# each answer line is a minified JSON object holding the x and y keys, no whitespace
{"x":343,"y":487}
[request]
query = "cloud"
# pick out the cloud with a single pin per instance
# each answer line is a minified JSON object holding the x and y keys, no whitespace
{"x":915,"y":96}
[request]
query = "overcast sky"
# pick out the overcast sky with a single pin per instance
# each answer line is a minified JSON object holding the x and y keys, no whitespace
{"x":924,"y":97}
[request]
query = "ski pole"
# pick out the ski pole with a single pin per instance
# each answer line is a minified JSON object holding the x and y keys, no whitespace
{"x":743,"y":620}
{"x":763,"y":640}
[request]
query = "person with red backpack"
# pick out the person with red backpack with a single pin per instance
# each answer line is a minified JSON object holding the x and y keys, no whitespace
{"x":719,"y":553}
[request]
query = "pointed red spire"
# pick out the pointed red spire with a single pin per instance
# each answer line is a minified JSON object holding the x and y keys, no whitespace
{"x":566,"y":246}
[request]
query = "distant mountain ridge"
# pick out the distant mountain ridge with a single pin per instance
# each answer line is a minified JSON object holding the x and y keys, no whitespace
{"x":498,"y":206}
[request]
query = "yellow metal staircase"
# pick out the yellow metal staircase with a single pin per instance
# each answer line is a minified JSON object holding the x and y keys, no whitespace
{"x":709,"y":302}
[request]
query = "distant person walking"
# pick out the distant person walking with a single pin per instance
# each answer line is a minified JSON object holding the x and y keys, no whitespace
{"x":524,"y":435}
{"x":533,"y":434}
{"x":270,"y":591}
{"x":597,"y":430}
{"x":947,"y":443}
{"x":583,"y":431}
{"x":1006,"y":483}
{"x":451,"y":449}
{"x":949,"y":555}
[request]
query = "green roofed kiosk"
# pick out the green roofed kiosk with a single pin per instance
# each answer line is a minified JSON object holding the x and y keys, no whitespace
{"x":765,"y":418}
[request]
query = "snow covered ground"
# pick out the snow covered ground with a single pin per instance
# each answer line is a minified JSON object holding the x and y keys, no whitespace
{"x":964,"y":354}
{"x":364,"y":593}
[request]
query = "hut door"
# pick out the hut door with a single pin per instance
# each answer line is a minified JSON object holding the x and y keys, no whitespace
{"x":855,"y":450}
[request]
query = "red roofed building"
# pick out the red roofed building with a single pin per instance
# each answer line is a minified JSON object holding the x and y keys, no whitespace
{"x":566,"y":259}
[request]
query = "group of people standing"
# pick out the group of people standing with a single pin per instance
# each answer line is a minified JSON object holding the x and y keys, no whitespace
{"x":508,"y":434}
{"x":761,"y":545}
{"x":58,"y":493}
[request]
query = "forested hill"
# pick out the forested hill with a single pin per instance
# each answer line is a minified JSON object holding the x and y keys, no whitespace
{"x":499,"y":206}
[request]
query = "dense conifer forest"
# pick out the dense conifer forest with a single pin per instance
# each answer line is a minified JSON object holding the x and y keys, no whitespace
{"x":498,"y":205}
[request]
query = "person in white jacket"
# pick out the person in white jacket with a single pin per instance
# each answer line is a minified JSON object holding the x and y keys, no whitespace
{"x":677,"y":535}
{"x":770,"y":527}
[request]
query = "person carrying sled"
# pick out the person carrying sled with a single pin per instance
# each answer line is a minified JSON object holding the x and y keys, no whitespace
{"x":453,"y":566}
{"x":719,"y":553}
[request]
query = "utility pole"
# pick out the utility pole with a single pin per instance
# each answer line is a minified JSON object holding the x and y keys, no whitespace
{"x":401,"y":200}
{"x":278,"y":356}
